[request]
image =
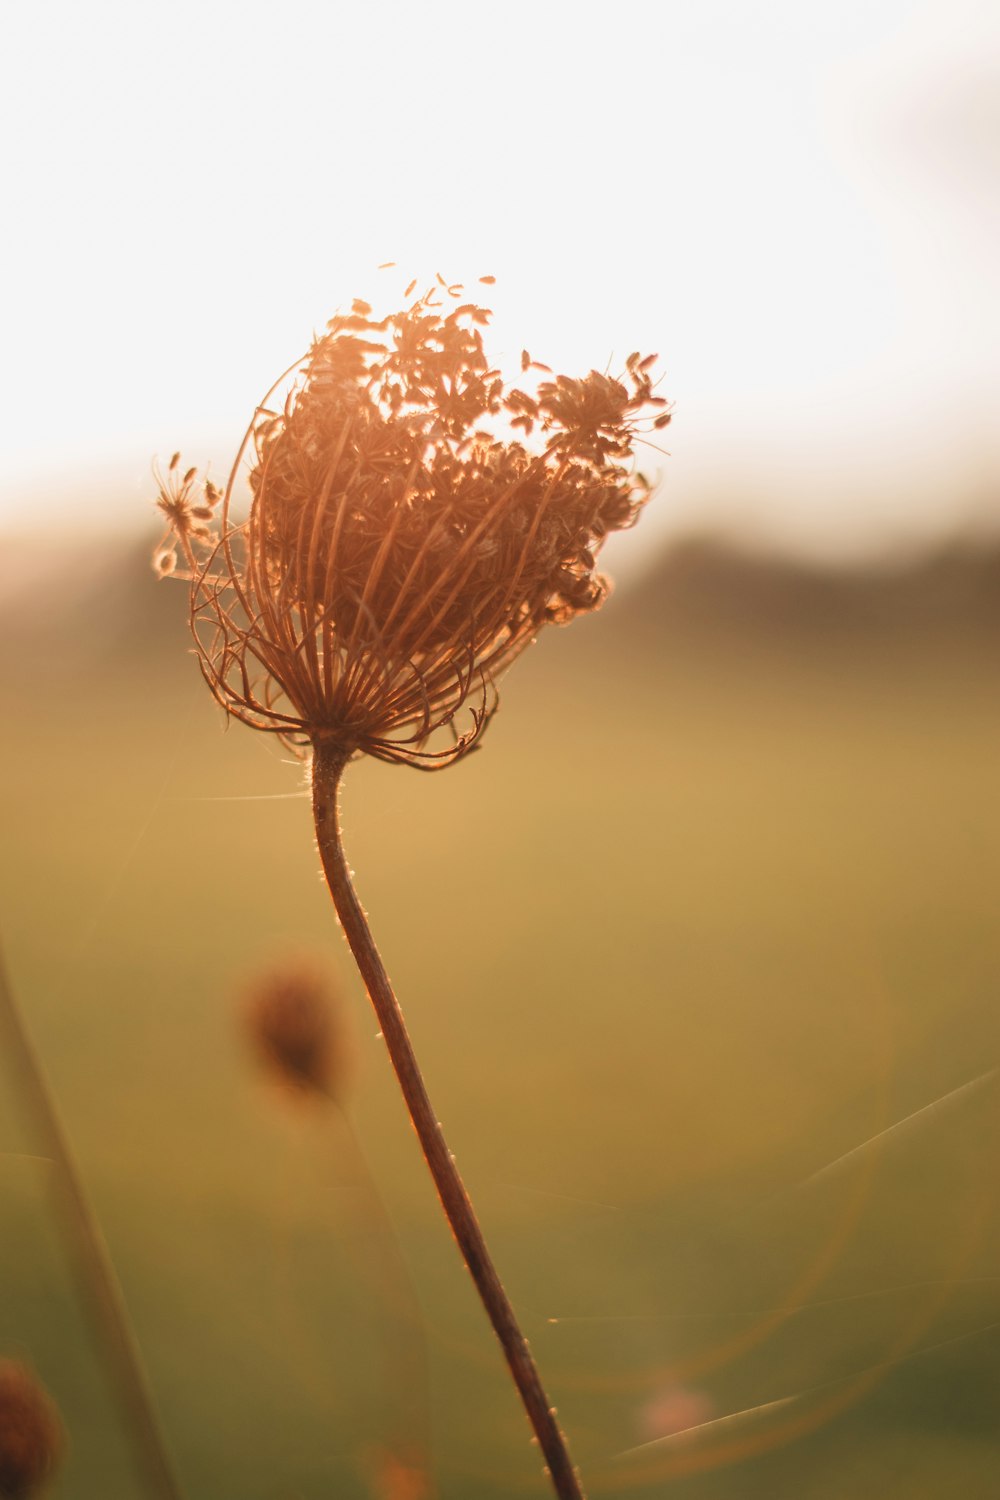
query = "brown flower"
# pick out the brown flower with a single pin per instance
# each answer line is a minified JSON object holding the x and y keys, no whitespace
{"x":297,"y":1025}
{"x":30,"y":1433}
{"x":399,"y":550}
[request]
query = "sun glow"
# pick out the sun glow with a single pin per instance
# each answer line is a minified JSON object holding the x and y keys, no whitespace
{"x":721,"y":183}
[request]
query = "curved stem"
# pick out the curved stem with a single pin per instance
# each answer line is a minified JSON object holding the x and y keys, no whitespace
{"x":94,"y":1267}
{"x":328,"y":766}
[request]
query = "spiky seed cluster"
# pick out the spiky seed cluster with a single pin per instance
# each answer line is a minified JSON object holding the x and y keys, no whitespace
{"x":30,"y":1433}
{"x":398,"y":553}
{"x":298,"y":1028}
{"x":187,"y":513}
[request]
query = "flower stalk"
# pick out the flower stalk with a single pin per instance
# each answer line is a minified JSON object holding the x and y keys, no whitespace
{"x":92,"y":1260}
{"x":404,"y":543}
{"x":327,"y":770}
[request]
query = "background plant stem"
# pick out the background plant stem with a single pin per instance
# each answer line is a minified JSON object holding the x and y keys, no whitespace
{"x":102,"y":1293}
{"x":328,"y":766}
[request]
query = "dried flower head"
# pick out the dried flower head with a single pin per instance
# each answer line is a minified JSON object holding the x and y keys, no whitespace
{"x":400,"y":548}
{"x":297,"y":1025}
{"x":30,"y":1433}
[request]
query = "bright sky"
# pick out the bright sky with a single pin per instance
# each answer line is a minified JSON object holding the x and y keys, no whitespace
{"x":794,"y":202}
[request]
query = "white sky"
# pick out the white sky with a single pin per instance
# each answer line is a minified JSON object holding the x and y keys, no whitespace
{"x":794,"y":202}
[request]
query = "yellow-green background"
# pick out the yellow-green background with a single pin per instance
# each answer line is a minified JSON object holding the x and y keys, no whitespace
{"x":716,"y":903}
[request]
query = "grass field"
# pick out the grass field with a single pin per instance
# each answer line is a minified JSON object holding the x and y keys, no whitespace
{"x":715,"y":905}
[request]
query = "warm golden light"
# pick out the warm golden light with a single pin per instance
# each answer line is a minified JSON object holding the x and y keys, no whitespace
{"x":762,"y":193}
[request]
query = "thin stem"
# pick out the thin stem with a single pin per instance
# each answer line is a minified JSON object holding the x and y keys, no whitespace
{"x":328,"y":765}
{"x":95,"y":1271}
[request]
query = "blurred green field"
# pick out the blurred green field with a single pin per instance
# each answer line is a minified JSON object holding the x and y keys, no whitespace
{"x":715,"y":905}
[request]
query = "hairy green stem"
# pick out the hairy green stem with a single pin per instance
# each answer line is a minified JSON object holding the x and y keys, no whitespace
{"x":102,"y":1293}
{"x":328,"y":766}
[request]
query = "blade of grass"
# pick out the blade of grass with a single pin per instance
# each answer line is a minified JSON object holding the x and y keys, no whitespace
{"x":95,"y":1272}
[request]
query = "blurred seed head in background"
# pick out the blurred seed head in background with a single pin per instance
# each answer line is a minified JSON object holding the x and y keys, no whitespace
{"x":31,"y":1437}
{"x":296,"y":1021}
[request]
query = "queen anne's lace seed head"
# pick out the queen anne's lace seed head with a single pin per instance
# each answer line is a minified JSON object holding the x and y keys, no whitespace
{"x":400,"y":551}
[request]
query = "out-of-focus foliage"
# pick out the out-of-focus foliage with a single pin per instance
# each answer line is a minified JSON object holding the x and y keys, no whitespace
{"x":715,"y":907}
